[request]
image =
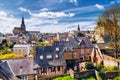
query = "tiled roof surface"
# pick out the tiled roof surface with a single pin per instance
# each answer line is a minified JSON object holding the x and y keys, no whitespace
{"x":7,"y":72}
{"x":57,"y":48}
{"x":75,"y":41}
{"x":23,"y":66}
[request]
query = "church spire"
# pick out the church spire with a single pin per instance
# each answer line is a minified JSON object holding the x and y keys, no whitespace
{"x":78,"y":28}
{"x":23,"y":28}
{"x":23,"y":23}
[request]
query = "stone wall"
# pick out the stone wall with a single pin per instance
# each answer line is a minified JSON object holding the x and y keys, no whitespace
{"x":110,"y":61}
{"x":82,"y":74}
{"x":111,"y":75}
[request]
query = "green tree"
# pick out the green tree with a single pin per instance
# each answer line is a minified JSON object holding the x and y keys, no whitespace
{"x":89,"y":65}
{"x":99,"y":67}
{"x":102,"y":75}
{"x":4,"y":41}
{"x":109,"y":20}
{"x":41,"y":40}
{"x":32,"y":52}
{"x":11,"y":44}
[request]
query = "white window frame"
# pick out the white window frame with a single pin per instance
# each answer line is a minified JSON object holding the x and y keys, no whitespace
{"x":41,"y":57}
{"x":57,"y":48}
{"x":49,"y":56}
{"x":56,"y":56}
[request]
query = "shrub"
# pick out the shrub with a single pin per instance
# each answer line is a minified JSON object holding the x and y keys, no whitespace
{"x":64,"y":78}
{"x":99,"y":67}
{"x":89,"y":65}
{"x":11,"y":55}
{"x":102,"y":75}
{"x":117,"y":78}
{"x":89,"y":78}
{"x":110,"y":68}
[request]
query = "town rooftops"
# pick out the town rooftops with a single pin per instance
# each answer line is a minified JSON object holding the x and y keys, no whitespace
{"x":6,"y":72}
{"x":48,"y":56}
{"x":21,"y":66}
{"x":21,"y":45}
{"x":75,"y":42}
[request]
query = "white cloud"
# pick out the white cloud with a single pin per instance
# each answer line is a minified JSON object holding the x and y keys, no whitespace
{"x":44,"y":9}
{"x":82,"y":10}
{"x":112,"y":2}
{"x":45,"y":14}
{"x":52,"y":14}
{"x":7,"y":23}
{"x":73,"y":1}
{"x":118,"y":1}
{"x":20,"y":2}
{"x":101,"y":7}
{"x":40,"y":22}
{"x":3,"y":14}
{"x":22,"y":9}
{"x":12,"y":16}
{"x":65,"y":27}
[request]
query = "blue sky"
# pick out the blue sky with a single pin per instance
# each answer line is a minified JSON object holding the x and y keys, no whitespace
{"x":52,"y":15}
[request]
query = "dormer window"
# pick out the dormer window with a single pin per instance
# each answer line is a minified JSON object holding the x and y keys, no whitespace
{"x":41,"y":57}
{"x":49,"y":56}
{"x":56,"y":55}
{"x":21,"y":67}
{"x":57,"y":48}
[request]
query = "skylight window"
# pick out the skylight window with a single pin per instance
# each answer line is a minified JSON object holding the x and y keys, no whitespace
{"x":57,"y":48}
{"x":49,"y":56}
{"x":56,"y":55}
{"x":41,"y":57}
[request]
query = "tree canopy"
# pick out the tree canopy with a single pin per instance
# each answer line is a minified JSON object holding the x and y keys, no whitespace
{"x":109,"y":20}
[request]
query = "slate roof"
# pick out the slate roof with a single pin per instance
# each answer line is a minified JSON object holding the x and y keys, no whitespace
{"x":22,"y":66}
{"x":6,"y":72}
{"x":74,"y":42}
{"x":56,"y":48}
{"x":21,"y":45}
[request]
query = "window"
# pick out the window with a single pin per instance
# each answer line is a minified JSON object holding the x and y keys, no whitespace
{"x":88,"y":52}
{"x":49,"y":56}
{"x":74,"y":55}
{"x":82,"y":51}
{"x":19,"y":51}
{"x":43,"y":70}
{"x":56,"y":55}
{"x":81,"y":58}
{"x":41,"y":57}
{"x":58,"y":68}
{"x":21,"y":67}
{"x":53,"y":69}
{"x":57,"y":48}
{"x":89,"y":58}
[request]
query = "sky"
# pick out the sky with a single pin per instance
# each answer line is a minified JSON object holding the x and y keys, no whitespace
{"x":52,"y":15}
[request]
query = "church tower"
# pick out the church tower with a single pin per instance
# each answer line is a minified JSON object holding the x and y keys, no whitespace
{"x":79,"y":33}
{"x":23,"y":28}
{"x":78,"y":28}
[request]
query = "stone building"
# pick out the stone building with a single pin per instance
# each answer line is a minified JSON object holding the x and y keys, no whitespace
{"x":49,"y":59}
{"x":98,"y":58}
{"x":17,"y":69}
{"x":20,"y":30}
{"x":79,"y":50}
{"x":21,"y":49}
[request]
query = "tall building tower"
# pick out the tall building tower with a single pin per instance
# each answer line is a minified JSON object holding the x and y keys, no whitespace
{"x":23,"y":28}
{"x":78,"y":28}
